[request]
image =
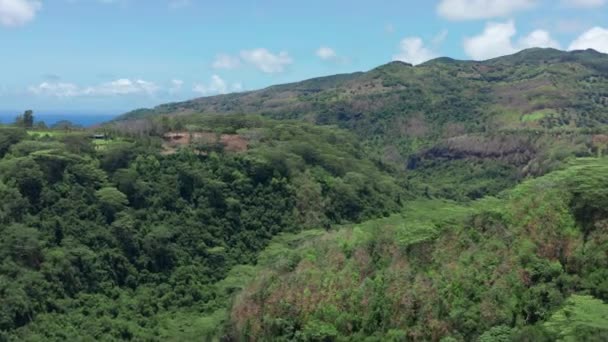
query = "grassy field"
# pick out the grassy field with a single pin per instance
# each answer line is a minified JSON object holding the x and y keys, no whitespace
{"x":100,"y":144}
{"x":103,"y":144}
{"x":47,"y":132}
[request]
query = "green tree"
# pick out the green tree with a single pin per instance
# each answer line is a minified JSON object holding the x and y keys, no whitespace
{"x":111,"y":201}
{"x":9,"y":137}
{"x":28,"y":118}
{"x":583,"y":318}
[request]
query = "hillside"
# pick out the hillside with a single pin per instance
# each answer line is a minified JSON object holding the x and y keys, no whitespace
{"x":450,"y":201}
{"x":496,"y":269}
{"x":513,"y":116}
{"x":533,"y":88}
{"x":114,"y":240}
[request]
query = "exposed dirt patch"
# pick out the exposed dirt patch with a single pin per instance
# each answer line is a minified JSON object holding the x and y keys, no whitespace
{"x":234,"y":142}
{"x":229,"y":142}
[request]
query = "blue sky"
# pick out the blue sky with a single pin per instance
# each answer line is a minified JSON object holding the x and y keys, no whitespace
{"x":116,"y":55}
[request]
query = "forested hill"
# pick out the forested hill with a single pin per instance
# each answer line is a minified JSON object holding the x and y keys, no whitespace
{"x":533,"y":88}
{"x":446,"y":120}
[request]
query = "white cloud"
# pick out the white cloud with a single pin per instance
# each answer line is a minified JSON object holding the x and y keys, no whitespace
{"x":497,"y":40}
{"x":224,"y":61}
{"x":538,"y":38}
{"x":595,"y":38}
{"x":494,"y":41}
{"x":15,"y":13}
{"x":216,"y":86}
{"x":584,"y":3}
{"x":326,"y":53}
{"x":57,"y":89}
{"x":412,"y":50}
{"x":260,"y":58}
{"x":176,"y":86}
{"x":121,"y":86}
{"x":481,"y":9}
{"x":266,"y":61}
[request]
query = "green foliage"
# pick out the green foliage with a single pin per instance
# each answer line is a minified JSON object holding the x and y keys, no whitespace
{"x":132,"y":238}
{"x":581,"y":318}
{"x":491,"y":270}
{"x":9,"y":137}
{"x":465,"y":129}
{"x":127,"y":243}
{"x":26,"y":120}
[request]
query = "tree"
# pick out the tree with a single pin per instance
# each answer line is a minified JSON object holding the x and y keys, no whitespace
{"x":111,"y":200}
{"x":28,"y":119}
{"x":9,"y":137}
{"x":581,"y":318}
{"x":65,"y":125}
{"x":600,"y":142}
{"x":25,"y":120}
{"x":78,"y":143}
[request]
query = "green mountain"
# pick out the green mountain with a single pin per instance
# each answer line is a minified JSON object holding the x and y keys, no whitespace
{"x":450,"y":201}
{"x":535,"y":88}
{"x":513,"y":116}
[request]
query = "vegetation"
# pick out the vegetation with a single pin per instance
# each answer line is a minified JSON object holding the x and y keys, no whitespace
{"x":448,"y":109}
{"x":441,"y":270}
{"x":118,"y":242}
{"x":452,"y":201}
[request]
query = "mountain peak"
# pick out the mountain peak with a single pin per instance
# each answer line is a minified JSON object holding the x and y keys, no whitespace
{"x":398,"y":64}
{"x":440,"y":60}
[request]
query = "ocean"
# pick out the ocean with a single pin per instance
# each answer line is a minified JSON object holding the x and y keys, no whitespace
{"x":82,"y":118}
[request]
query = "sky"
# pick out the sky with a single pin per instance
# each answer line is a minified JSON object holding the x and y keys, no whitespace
{"x":117,"y":55}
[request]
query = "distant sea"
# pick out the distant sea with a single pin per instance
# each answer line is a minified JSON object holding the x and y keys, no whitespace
{"x":82,"y":118}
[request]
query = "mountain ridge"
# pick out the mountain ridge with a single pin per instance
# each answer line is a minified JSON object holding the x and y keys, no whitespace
{"x":538,"y":55}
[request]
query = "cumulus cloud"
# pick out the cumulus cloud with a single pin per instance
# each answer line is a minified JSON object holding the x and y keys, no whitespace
{"x":497,"y":40}
{"x":584,"y":3}
{"x":266,"y":61}
{"x":225,"y":61}
{"x":15,"y":13}
{"x":481,"y":9}
{"x":595,"y":38}
{"x":121,"y":86}
{"x":494,"y":41}
{"x":216,"y":86}
{"x":538,"y":38}
{"x":412,"y":50}
{"x":326,"y":53}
